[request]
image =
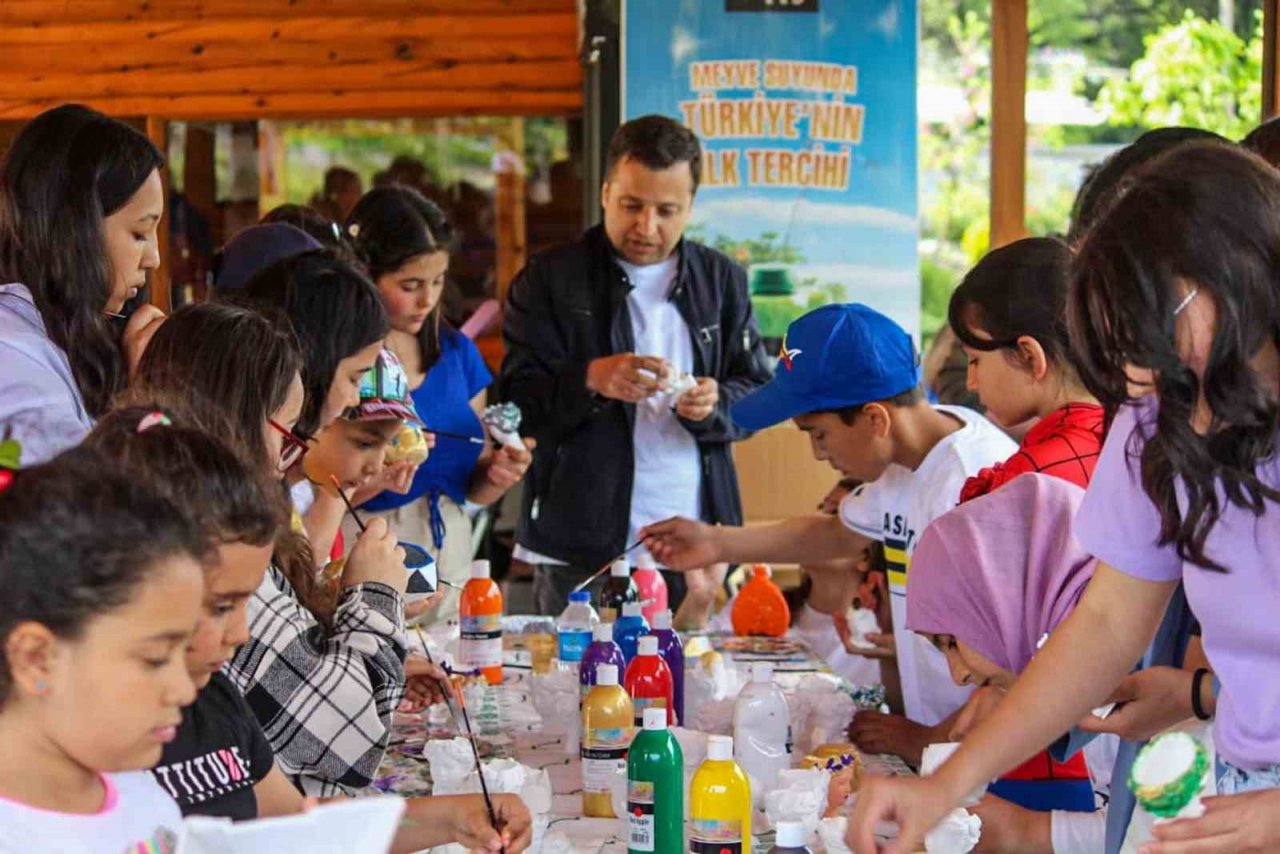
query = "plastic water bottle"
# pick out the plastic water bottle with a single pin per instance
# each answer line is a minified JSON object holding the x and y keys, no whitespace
{"x":762,"y":729}
{"x":575,"y":626}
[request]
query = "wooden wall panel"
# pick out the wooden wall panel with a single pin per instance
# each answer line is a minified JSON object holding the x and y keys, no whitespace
{"x":1270,"y":58}
{"x":250,"y":59}
{"x":1009,"y":43}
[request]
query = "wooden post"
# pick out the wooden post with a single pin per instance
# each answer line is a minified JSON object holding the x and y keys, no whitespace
{"x":1008,"y":120}
{"x":509,"y":203}
{"x":161,"y":292}
{"x":1270,"y":55}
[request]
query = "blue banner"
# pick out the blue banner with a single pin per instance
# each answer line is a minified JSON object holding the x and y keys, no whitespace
{"x":807,"y":114}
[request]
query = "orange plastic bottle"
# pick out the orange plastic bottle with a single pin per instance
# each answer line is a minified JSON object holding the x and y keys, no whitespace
{"x":760,"y":608}
{"x":480,"y":608}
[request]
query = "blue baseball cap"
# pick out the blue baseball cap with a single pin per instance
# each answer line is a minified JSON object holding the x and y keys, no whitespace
{"x":839,"y":355}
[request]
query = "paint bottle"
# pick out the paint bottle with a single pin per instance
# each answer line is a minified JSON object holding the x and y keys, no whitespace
{"x":606,"y":734}
{"x":760,"y":608}
{"x":480,"y":610}
{"x":648,"y":681}
{"x":602,"y":650}
{"x":719,"y":803}
{"x":655,"y":789}
{"x":619,"y":588}
{"x":651,"y":585}
{"x":671,"y":648}
{"x":762,"y":728}
{"x":631,"y":626}
{"x":790,"y":839}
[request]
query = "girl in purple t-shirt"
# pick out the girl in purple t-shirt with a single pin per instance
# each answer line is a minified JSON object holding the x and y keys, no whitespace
{"x":1175,"y":319}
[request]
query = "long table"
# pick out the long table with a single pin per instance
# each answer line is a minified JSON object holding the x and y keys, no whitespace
{"x":508,"y":709}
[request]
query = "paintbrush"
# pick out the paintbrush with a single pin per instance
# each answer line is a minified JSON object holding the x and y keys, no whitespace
{"x":475,"y":751}
{"x":602,"y":570}
{"x":360,"y":522}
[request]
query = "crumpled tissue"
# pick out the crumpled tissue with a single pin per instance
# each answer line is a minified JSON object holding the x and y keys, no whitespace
{"x":453,"y":773}
{"x":555,"y":696}
{"x":820,"y":712}
{"x":832,"y":831}
{"x":800,"y":795}
{"x":862,"y":622}
{"x":932,"y":759}
{"x":715,"y":717}
{"x":958,"y":833}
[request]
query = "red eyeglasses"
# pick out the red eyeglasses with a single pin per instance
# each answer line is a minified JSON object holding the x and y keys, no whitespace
{"x":295,"y":446}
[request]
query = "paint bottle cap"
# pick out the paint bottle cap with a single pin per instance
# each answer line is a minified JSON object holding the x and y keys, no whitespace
{"x":648,"y":645}
{"x":620,"y":569}
{"x":607,"y":675}
{"x":761,"y":671}
{"x":655,"y":718}
{"x":790,"y":835}
{"x":602,"y":632}
{"x":480,"y":569}
{"x":662,"y":619}
{"x":632,"y":609}
{"x":719,"y":747}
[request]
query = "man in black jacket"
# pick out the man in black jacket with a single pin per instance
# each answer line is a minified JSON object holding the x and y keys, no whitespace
{"x":602,"y":336}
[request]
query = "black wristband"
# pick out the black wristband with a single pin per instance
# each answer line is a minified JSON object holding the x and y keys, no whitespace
{"x":1196,"y":682}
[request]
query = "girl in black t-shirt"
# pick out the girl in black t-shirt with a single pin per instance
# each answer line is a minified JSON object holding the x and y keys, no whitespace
{"x":220,"y":763}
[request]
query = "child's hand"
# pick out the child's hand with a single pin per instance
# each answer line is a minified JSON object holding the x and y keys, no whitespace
{"x":508,"y":465}
{"x":471,"y":828}
{"x":423,"y":682}
{"x":376,"y":558}
{"x":874,"y":732}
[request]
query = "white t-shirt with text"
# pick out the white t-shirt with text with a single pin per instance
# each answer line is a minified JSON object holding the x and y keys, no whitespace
{"x":895,"y":509}
{"x":137,"y":816}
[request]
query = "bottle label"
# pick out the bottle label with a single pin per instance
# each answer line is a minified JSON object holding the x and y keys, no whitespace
{"x":640,"y":820}
{"x":642,"y":703}
{"x":604,"y":751}
{"x":481,"y":641}
{"x":573,"y":644}
{"x":708,"y":836}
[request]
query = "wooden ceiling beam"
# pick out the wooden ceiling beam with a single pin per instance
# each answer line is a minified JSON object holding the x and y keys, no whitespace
{"x":45,"y":12}
{"x":331,"y":30}
{"x":320,"y":105}
{"x":375,"y":76}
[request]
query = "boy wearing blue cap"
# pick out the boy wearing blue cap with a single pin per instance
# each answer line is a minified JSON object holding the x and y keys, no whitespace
{"x":849,"y":377}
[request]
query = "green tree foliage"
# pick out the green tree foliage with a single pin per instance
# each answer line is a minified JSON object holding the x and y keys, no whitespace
{"x":1196,"y":73}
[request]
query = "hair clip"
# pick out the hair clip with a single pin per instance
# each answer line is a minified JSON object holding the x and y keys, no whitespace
{"x":154,"y":419}
{"x":10,"y":459}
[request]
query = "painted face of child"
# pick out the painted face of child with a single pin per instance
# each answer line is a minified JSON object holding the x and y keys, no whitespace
{"x":859,"y":450}
{"x":113,"y":694}
{"x":352,"y":451}
{"x":223,"y":625}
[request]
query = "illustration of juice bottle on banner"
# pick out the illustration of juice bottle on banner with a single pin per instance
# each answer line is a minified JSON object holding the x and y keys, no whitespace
{"x":480,"y":609}
{"x":607,"y":719}
{"x":655,"y":789}
{"x":648,"y":681}
{"x":719,"y":803}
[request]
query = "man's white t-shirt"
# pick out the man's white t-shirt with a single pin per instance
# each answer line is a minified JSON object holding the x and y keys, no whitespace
{"x":668,"y":473}
{"x":895,"y":509}
{"x":137,"y":815}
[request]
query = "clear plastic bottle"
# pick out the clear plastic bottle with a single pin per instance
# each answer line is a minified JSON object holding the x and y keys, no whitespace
{"x":575,"y":626}
{"x":719,"y":803}
{"x":762,"y":729}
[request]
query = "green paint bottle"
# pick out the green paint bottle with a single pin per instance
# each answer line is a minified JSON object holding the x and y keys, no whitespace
{"x":655,"y":789}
